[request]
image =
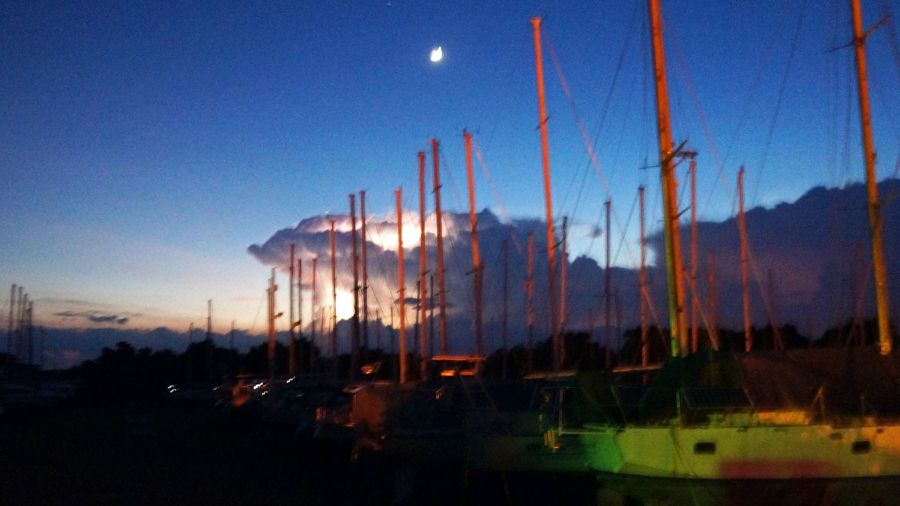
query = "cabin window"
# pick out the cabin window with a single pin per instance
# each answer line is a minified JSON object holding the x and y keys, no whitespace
{"x":704,"y":448}
{"x":861,"y":447}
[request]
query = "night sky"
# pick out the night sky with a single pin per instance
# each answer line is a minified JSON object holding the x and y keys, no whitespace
{"x":146,"y":145}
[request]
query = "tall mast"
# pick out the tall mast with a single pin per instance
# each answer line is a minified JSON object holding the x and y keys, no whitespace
{"x":745,"y":278}
{"x":644,"y":348}
{"x":675,"y":287}
{"x":354,"y":343}
{"x":209,"y":319}
{"x":292,"y":343}
{"x":303,"y":363}
{"x":431,"y":318}
{"x":9,"y":331}
{"x":713,"y":299}
{"x":562,"y":287}
{"x":607,"y":294}
{"x":20,"y":321}
{"x":332,"y":346}
{"x":378,"y":317}
{"x":530,"y":286}
{"x":442,"y":296}
{"x":417,"y":327}
{"x":505,"y":306}
{"x":312,"y":308}
{"x":271,"y":348}
{"x":365,"y":274}
{"x":402,"y":290}
{"x":476,"y":258}
{"x":30,"y":328}
{"x":188,"y":356}
{"x":423,"y":258}
{"x":859,"y":42}
{"x":209,"y":348}
{"x":545,"y":153}
{"x":694,"y":301}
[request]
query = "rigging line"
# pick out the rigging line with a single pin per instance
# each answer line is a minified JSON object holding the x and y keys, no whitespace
{"x":585,"y":139}
{"x":770,"y":134}
{"x":503,"y":212}
{"x":457,"y":264}
{"x":578,"y":120}
{"x":888,"y":18}
{"x":381,"y":260}
{"x":757,"y":81}
{"x":622,"y":241}
{"x":384,"y":278}
{"x":848,"y":122}
{"x":580,"y":193}
{"x":645,"y":92}
{"x":625,"y":230}
{"x":704,"y":123}
{"x":684,"y":194}
{"x":886,"y":110}
{"x":446,"y":171}
{"x":384,"y":274}
{"x":258,"y":310}
{"x":765,"y":295}
{"x":601,"y":116}
{"x":896,"y":167}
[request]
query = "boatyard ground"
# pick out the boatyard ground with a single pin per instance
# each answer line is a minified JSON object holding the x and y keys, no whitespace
{"x":191,"y":454}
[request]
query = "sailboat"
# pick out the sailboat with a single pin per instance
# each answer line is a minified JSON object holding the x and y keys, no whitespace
{"x":722,"y":428}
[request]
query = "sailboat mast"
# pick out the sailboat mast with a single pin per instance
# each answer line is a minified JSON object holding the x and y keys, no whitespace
{"x":745,"y":278}
{"x":505,"y":306}
{"x":332,"y":346}
{"x":402,"y":290}
{"x":365,"y":274}
{"x":301,"y":363}
{"x":675,"y":287}
{"x":530,"y":287}
{"x":694,"y":298}
{"x":644,"y":349}
{"x":292,"y":343}
{"x":545,"y":157}
{"x":431,"y":316}
{"x":713,"y":329}
{"x":881,"y":300}
{"x":9,"y":331}
{"x":562,"y":287}
{"x":442,"y":296}
{"x":354,"y":343}
{"x":606,"y":293}
{"x":312,"y":310}
{"x":271,"y":347}
{"x":476,"y":258}
{"x":423,"y":259}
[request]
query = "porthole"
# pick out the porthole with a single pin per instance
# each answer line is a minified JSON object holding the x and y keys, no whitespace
{"x":861,"y":447}
{"x":704,"y":448}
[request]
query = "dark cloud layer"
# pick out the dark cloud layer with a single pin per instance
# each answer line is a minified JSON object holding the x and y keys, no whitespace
{"x":95,"y":316}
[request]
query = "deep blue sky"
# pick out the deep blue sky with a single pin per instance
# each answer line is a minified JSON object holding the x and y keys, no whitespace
{"x":145,"y":145}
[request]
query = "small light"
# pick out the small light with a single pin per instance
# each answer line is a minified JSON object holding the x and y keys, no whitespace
{"x":437,"y":54}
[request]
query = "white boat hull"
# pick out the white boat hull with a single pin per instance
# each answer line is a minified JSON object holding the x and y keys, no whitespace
{"x":763,"y":452}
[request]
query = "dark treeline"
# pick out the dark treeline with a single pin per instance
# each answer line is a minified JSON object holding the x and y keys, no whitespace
{"x":123,"y":373}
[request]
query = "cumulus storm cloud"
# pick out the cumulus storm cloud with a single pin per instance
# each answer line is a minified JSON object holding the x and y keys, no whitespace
{"x":803,"y":269}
